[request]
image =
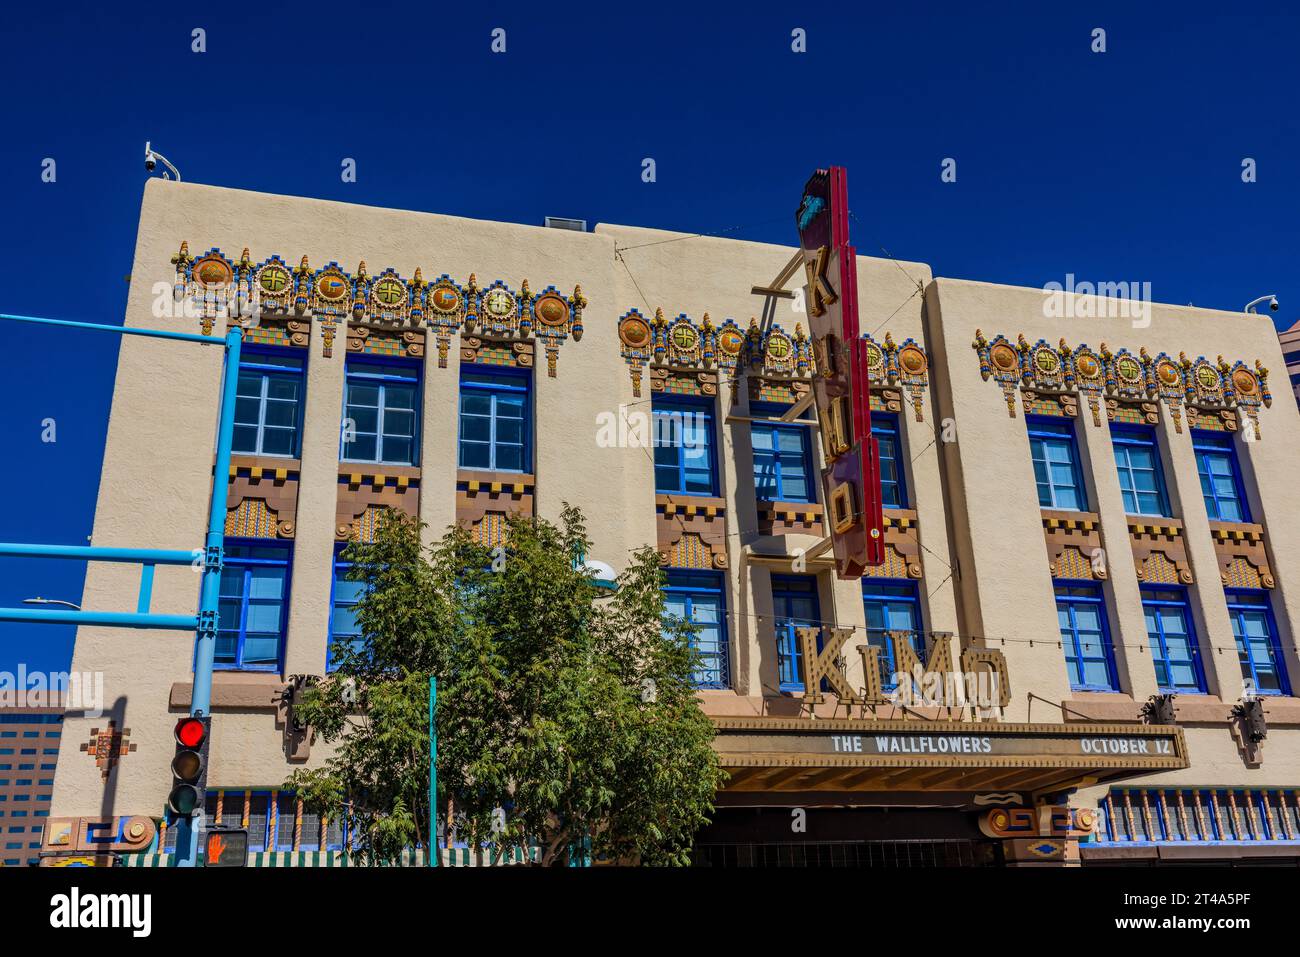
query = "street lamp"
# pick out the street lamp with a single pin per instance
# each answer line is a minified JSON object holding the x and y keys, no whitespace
{"x":51,"y":601}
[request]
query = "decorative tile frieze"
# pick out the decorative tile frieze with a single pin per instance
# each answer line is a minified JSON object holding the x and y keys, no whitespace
{"x":1050,"y":377}
{"x":1159,"y":551}
{"x":261,"y":497}
{"x":680,"y":348}
{"x":905,"y":366}
{"x":484,"y":500}
{"x":1242,"y":554}
{"x":789,"y":518}
{"x":364,"y":494}
{"x":369,"y":340}
{"x":902,"y":547}
{"x":1070,"y":536}
{"x":494,"y":317}
{"x":691,"y":531}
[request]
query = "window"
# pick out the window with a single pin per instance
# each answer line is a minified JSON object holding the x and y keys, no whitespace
{"x":794,"y":598}
{"x":892,"y":606}
{"x":495,"y":421}
{"x":783,"y":462}
{"x":1141,"y":481}
{"x":1085,"y":638}
{"x":1216,"y":463}
{"x":683,"y":441}
{"x":380,"y":413}
{"x":1056,"y":465}
{"x":268,"y":403}
{"x":893,"y":489}
{"x":343,"y":618}
{"x":697,"y":597}
{"x":1174,"y":649}
{"x":286,"y":804}
{"x":253,"y":604}
{"x":1258,"y":648}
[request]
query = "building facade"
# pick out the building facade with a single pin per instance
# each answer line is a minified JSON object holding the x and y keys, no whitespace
{"x":1290,"y":340}
{"x":31,"y":725}
{"x":1087,"y":526}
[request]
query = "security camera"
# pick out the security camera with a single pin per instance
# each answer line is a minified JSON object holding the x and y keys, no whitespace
{"x":152,"y":159}
{"x":1273,"y":304}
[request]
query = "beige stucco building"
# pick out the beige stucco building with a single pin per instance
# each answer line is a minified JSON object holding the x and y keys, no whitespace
{"x":1093,"y":526}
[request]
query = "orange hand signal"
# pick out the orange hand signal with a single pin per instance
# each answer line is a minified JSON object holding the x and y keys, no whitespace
{"x":216,"y":847}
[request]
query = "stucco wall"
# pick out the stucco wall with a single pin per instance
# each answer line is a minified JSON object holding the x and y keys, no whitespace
{"x":985,"y":567}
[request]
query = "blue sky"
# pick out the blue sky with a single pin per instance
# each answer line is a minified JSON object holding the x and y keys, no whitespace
{"x":1123,"y":165}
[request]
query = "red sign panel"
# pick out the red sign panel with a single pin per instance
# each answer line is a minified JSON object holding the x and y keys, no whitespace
{"x":851,"y":478}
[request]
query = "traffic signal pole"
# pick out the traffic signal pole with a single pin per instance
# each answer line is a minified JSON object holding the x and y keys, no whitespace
{"x":205,"y":622}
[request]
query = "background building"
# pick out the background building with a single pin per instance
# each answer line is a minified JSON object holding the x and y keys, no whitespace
{"x":1096,"y":525}
{"x":1290,"y":340}
{"x":30,"y":730}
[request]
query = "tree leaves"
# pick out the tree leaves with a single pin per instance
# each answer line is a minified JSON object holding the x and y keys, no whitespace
{"x":573,"y":712}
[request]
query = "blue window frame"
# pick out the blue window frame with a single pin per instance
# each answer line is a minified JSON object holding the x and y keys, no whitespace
{"x":783,"y":461}
{"x":343,"y":618}
{"x":1175,"y":651}
{"x":1258,"y":647}
{"x":794,"y":599}
{"x":698,"y":597}
{"x":495,"y":421}
{"x":892,"y":606}
{"x":1220,"y":473}
{"x":1141,"y":479}
{"x":683,"y":444}
{"x":268,"y":402}
{"x":381,"y":413}
{"x":893,"y":485}
{"x":1056,"y":464}
{"x":1085,"y":637}
{"x":253,"y":606}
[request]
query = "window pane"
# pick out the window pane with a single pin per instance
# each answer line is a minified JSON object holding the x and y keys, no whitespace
{"x":282,"y":387}
{"x":279,"y":413}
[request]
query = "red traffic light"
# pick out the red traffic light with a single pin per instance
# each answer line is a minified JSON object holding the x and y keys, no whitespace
{"x":190,"y":732}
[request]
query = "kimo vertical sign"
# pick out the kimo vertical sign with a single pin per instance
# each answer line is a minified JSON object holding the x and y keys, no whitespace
{"x":851,"y":478}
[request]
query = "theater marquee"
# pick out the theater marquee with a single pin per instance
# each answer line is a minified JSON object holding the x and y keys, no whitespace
{"x":849,"y":754}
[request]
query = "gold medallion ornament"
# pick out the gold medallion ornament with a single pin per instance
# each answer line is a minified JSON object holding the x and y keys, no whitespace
{"x":551,"y":310}
{"x":445,"y":297}
{"x":331,"y":288}
{"x":1170,"y":385}
{"x":636,"y":338}
{"x":390,"y":292}
{"x":1090,"y":378}
{"x":634,"y":330}
{"x":498,"y":303}
{"x":273,"y":279}
{"x":447,"y":303}
{"x":213,"y":272}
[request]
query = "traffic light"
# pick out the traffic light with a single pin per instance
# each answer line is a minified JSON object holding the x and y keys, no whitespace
{"x":226,"y":847}
{"x":190,"y":766}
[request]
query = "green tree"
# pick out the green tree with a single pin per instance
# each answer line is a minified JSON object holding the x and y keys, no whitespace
{"x":567,"y":709}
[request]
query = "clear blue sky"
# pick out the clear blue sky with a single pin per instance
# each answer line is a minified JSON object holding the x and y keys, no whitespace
{"x":1117,"y":166}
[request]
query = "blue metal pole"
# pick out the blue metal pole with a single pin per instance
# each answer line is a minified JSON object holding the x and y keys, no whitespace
{"x":120,"y":330}
{"x":212,"y":556}
{"x":187,"y":850}
{"x":432,"y":853}
{"x":111,"y":619}
{"x":91,"y":553}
